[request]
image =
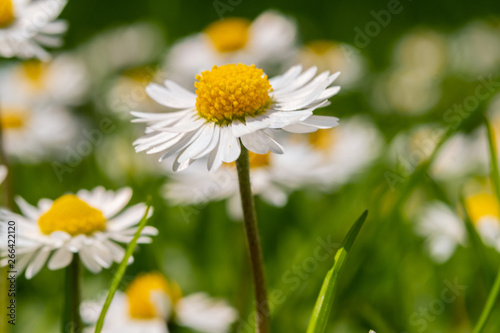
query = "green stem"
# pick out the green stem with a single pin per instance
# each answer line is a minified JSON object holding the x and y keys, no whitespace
{"x":490,"y":303}
{"x":71,"y":313}
{"x":253,"y":242}
{"x":495,"y":179}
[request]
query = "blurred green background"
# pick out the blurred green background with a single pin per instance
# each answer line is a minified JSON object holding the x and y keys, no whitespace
{"x":387,"y":278}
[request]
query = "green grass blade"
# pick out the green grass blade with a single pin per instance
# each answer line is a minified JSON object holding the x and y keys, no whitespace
{"x":121,"y":270}
{"x":324,"y":303}
{"x":495,"y":179}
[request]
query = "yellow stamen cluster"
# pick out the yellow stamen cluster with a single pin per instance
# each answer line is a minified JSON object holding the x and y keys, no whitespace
{"x":12,"y":119}
{"x":258,"y":160}
{"x":72,"y":215}
{"x":482,"y":205}
{"x":232,"y":92}
{"x":34,"y":71}
{"x":140,"y":292}
{"x":6,"y":13}
{"x":322,"y":139}
{"x":229,"y":35}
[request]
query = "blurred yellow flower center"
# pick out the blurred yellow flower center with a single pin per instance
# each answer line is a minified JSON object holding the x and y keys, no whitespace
{"x":258,"y":160}
{"x":482,"y":205}
{"x":34,"y":71}
{"x":232,"y":92}
{"x":321,"y":47}
{"x":322,"y":139}
{"x":229,"y":35}
{"x":12,"y":119}
{"x":6,"y":13}
{"x":72,"y":215}
{"x":140,"y":295}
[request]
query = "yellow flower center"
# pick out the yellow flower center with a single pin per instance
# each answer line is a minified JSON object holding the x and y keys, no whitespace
{"x":140,"y":295}
{"x":6,"y":13}
{"x":13,"y":119}
{"x":34,"y":71}
{"x":321,"y":47}
{"x":258,"y":160}
{"x":482,"y":205}
{"x":322,"y":139}
{"x":232,"y":92}
{"x":229,"y":35}
{"x":72,"y":215}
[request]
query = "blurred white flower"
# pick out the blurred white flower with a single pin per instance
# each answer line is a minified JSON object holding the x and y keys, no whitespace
{"x":484,"y":212}
{"x":3,"y":173}
{"x":246,"y":108}
{"x":475,"y":49}
{"x":268,"y":42}
{"x":151,"y":301}
{"x":127,"y":92}
{"x":335,"y":57}
{"x":88,"y":224}
{"x":27,"y":25}
{"x":412,"y":85}
{"x":197,"y":185}
{"x":60,"y":81}
{"x":330,"y":158}
{"x":121,"y":48}
{"x":443,"y":230}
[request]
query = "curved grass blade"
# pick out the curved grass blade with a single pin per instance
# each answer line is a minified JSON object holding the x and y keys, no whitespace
{"x":495,"y":179}
{"x":324,"y":303}
{"x":121,"y":270}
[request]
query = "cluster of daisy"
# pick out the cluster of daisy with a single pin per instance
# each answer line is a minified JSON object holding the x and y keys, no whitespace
{"x":209,"y":100}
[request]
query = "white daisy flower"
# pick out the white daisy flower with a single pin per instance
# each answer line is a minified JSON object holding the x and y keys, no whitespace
{"x":267,"y":42}
{"x":443,"y":230}
{"x":61,"y":81}
{"x":27,"y":25}
{"x":333,"y":56}
{"x":86,"y":224}
{"x":151,"y":301}
{"x":234,"y":103}
{"x":198,"y":186}
{"x":3,"y":173}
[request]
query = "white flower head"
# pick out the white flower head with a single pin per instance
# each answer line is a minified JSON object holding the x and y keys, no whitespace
{"x":27,"y":25}
{"x":267,"y":42}
{"x":151,"y":301}
{"x":88,"y":224}
{"x":234,"y":103}
{"x":443,"y":230}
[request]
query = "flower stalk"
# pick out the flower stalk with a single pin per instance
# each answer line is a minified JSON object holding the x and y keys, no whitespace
{"x":253,"y":242}
{"x":71,"y":313}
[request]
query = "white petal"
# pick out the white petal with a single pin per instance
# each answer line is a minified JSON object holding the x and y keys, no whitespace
{"x":165,"y":97}
{"x":60,"y":259}
{"x":37,"y":263}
